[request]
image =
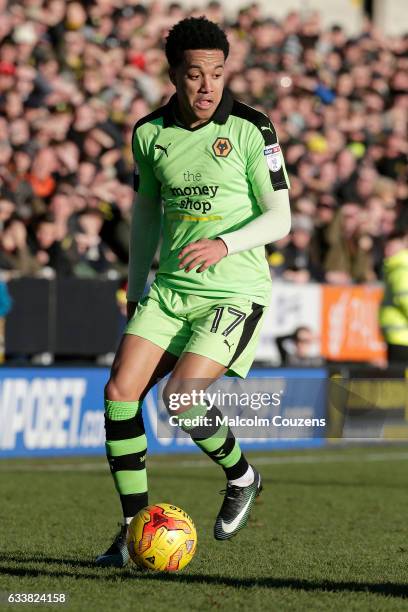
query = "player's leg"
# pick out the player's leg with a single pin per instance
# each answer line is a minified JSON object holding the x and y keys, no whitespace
{"x":138,"y":364}
{"x":153,"y":339}
{"x":193,"y":374}
{"x":227,"y":332}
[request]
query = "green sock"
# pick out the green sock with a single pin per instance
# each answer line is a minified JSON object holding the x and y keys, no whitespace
{"x":126,"y":448}
{"x":216,"y":440}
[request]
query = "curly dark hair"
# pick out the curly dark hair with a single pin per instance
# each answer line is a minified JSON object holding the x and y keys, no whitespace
{"x":194,"y":33}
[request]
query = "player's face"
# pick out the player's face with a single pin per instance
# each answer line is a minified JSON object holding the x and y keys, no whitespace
{"x":199,"y":82}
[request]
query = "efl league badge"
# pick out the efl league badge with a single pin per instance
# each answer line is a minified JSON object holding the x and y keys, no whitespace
{"x":273,"y":157}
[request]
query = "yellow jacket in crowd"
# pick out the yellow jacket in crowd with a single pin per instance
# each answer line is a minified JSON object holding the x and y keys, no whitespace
{"x":394,"y":308}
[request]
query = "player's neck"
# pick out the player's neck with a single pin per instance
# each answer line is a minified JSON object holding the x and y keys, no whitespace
{"x":187,"y":119}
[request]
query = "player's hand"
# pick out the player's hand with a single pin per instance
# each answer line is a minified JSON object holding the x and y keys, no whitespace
{"x":203,"y":253}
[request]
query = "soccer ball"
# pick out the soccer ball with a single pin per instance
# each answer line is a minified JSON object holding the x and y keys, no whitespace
{"x":162,"y":537}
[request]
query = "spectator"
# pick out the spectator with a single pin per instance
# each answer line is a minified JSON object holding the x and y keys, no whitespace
{"x":299,"y":348}
{"x":92,"y":252}
{"x":7,"y":210}
{"x":394,"y":308}
{"x":325,"y":212}
{"x":394,"y":158}
{"x":349,"y":255}
{"x":47,"y":249}
{"x":62,"y":208}
{"x":75,"y":77}
{"x":41,"y":177}
{"x":15,"y":256}
{"x":115,"y":231}
{"x":5,"y":306}
{"x":297,"y":263}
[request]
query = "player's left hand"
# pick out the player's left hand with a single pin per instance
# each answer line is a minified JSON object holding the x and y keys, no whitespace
{"x":203,"y":253}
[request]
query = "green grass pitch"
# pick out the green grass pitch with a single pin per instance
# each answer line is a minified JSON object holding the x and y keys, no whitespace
{"x":329,"y":533}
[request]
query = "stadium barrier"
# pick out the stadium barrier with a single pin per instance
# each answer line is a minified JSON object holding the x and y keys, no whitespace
{"x":59,"y":411}
{"x":63,"y":316}
{"x":369,"y":404}
{"x":344,"y":320}
{"x":66,"y":316}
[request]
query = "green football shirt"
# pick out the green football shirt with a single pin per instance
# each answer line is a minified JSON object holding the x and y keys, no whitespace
{"x":210,"y":179}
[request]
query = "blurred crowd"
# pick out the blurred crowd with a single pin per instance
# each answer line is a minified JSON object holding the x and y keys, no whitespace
{"x":76,"y":76}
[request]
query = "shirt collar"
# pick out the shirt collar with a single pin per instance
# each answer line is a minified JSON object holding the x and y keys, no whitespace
{"x":220,"y":116}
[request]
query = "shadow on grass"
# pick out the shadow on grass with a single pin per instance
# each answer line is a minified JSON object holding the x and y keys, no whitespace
{"x":288,"y":482}
{"x":332,"y":483}
{"x":20,"y":566}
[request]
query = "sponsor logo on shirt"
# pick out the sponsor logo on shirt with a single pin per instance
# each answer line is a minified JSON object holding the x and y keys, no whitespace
{"x":193,"y":197}
{"x":273,"y":157}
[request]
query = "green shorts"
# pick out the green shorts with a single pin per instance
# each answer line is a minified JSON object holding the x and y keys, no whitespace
{"x":224,"y":329}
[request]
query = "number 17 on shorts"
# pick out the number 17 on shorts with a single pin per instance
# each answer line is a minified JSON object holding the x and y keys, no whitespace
{"x":228,"y":333}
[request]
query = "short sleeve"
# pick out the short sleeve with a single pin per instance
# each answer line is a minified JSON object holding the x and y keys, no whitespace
{"x":265,"y":166}
{"x":145,"y":180}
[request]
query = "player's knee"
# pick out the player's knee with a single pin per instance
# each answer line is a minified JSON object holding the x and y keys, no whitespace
{"x":118,"y":392}
{"x":177,"y":397}
{"x":110,"y":391}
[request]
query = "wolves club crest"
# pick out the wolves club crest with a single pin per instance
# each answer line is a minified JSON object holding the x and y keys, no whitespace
{"x":222,"y":147}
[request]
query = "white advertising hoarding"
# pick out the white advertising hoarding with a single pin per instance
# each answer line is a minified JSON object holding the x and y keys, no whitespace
{"x":292,"y":306}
